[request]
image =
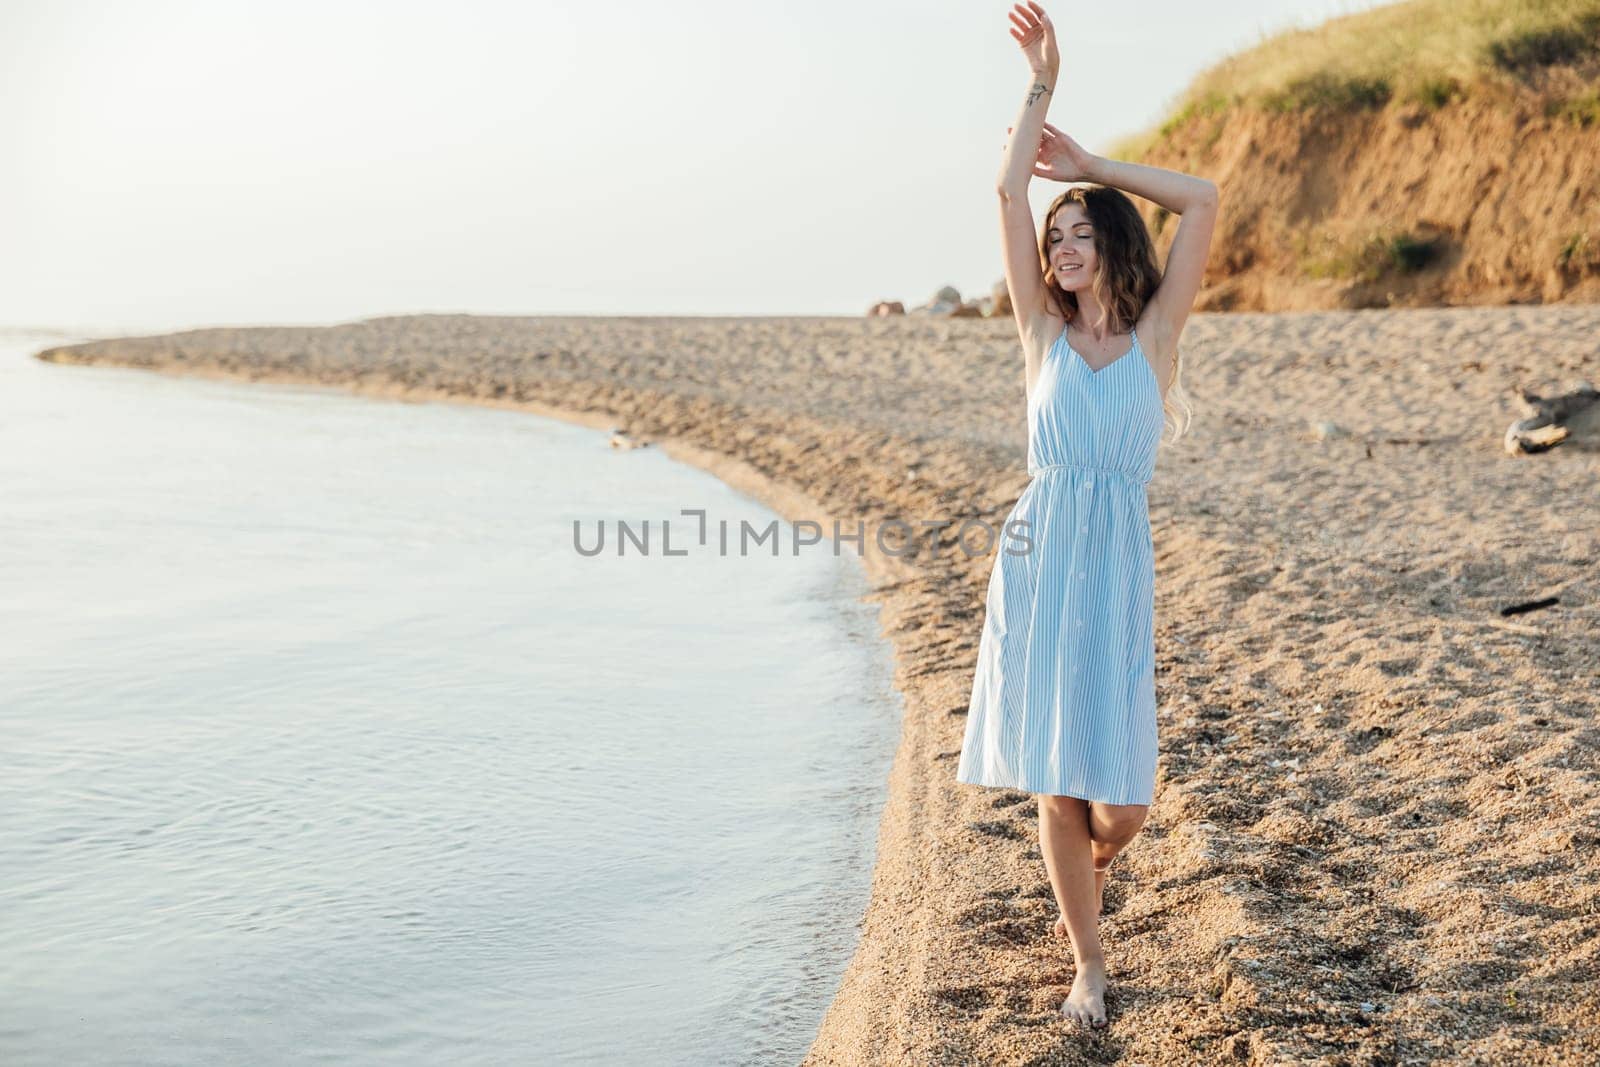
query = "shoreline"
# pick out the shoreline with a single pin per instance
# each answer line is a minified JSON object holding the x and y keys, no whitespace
{"x":1264,"y":904}
{"x":786,"y":499}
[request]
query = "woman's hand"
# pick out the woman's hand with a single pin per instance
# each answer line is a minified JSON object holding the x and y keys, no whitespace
{"x":1061,"y":159}
{"x":1036,"y":36}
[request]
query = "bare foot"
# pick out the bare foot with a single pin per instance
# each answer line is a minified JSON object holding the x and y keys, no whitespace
{"x":1086,"y":1004}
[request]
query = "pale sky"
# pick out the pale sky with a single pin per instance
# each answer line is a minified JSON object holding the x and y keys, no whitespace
{"x":182,"y":164}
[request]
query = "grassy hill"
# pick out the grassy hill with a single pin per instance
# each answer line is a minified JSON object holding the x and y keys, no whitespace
{"x":1422,"y":153}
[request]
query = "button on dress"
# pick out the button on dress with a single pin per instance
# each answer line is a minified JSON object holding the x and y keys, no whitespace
{"x":1063,"y":695}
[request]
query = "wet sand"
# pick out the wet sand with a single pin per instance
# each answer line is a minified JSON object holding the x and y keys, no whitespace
{"x":1377,"y":803}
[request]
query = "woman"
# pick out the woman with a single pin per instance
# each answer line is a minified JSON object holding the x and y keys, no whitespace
{"x":1063,"y":698}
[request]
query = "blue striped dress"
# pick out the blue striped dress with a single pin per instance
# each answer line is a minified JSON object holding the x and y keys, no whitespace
{"x":1063,"y":696}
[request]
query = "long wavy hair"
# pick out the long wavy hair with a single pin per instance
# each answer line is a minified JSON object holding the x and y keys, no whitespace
{"x":1125,"y":277}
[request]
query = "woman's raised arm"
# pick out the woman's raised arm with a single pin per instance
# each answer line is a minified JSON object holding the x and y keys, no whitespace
{"x":1193,"y":198}
{"x":1036,"y":37}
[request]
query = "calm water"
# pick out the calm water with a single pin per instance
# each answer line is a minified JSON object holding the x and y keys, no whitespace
{"x":321,"y":743}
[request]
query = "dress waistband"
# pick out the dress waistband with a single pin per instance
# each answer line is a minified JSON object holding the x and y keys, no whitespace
{"x":1036,"y":471}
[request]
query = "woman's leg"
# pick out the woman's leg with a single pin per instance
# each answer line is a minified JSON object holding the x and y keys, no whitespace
{"x":1065,"y":844}
{"x":1111,"y":827}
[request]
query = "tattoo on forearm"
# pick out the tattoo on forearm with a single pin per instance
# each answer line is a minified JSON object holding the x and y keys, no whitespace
{"x":1038,"y":90}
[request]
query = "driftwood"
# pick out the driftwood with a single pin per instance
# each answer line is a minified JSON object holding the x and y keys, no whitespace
{"x":1572,"y":417}
{"x":1530,"y":605}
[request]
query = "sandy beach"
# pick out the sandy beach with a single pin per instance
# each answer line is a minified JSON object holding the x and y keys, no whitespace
{"x":1377,"y":802}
